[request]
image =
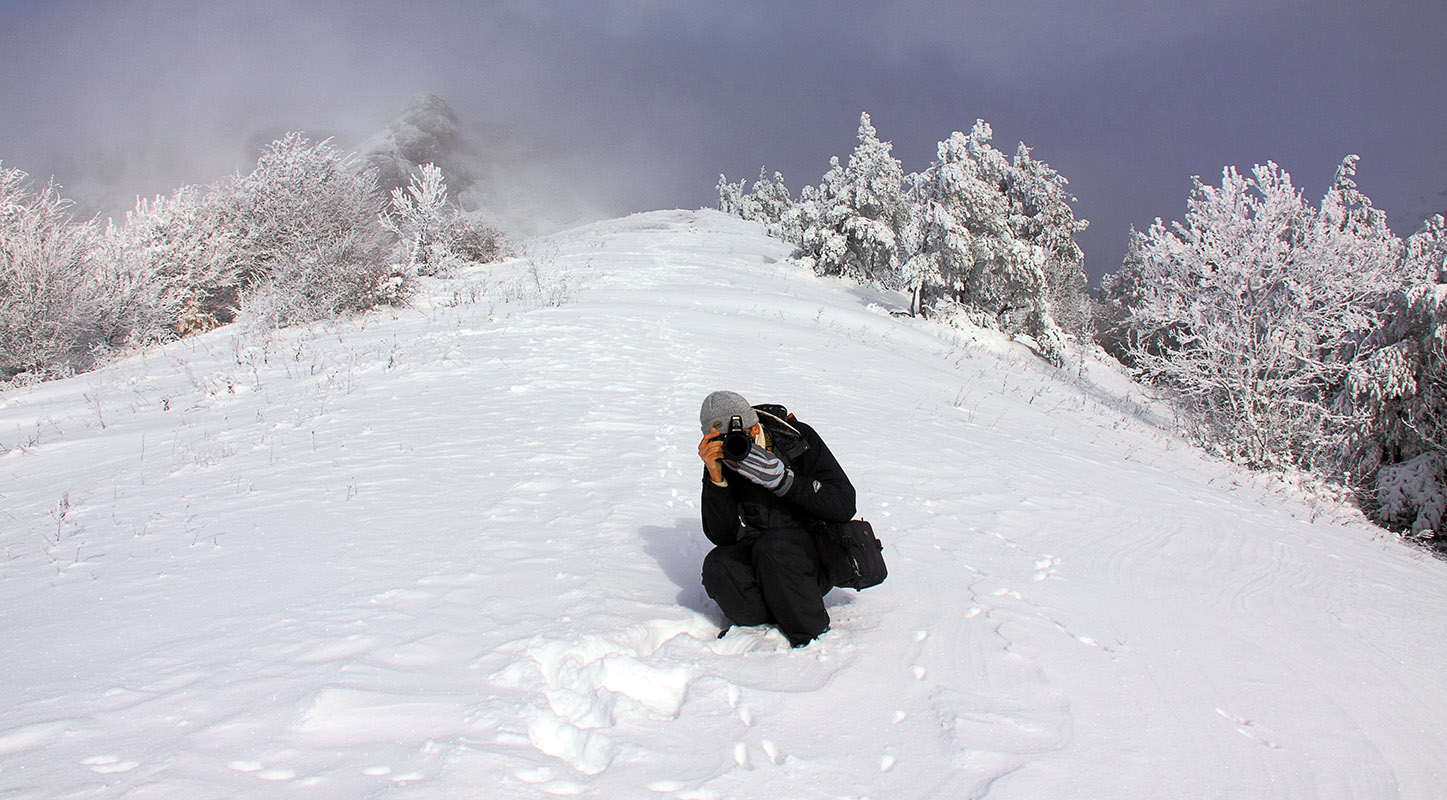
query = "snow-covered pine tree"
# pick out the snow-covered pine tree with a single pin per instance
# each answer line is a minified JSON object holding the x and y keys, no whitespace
{"x":975,"y":231}
{"x":968,"y":254}
{"x":809,"y":223}
{"x":1040,"y":214}
{"x":871,"y":209}
{"x":1390,"y":412}
{"x":769,"y":200}
{"x":1118,"y":293}
{"x":730,"y":196}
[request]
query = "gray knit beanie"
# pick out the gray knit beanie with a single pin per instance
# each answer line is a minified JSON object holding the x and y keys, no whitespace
{"x":720,"y":407}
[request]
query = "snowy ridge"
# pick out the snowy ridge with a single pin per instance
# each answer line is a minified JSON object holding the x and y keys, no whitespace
{"x":453,"y":551}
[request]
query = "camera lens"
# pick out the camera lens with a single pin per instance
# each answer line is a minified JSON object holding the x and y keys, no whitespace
{"x":736,"y":445}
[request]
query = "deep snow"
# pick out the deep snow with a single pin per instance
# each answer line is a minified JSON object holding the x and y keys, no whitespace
{"x":452,"y":551}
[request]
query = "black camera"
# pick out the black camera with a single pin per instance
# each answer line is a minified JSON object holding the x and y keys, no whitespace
{"x":737,"y":442}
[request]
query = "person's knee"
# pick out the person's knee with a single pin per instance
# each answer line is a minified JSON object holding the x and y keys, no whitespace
{"x":714,"y":571}
{"x":723,"y":567}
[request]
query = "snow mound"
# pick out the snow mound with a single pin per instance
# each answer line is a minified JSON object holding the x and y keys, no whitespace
{"x":453,"y":551}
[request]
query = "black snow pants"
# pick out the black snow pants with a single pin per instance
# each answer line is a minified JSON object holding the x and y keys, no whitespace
{"x":773,"y":577}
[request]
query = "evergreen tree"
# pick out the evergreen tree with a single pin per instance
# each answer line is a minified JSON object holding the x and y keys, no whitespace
{"x":768,"y":201}
{"x":1119,"y":292}
{"x":1390,"y":412}
{"x":730,"y":196}
{"x":968,"y":254}
{"x":871,"y":209}
{"x":819,"y":244}
{"x":975,"y":232}
{"x":1040,"y":214}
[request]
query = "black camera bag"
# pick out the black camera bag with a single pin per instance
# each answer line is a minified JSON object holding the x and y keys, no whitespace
{"x":852,"y":556}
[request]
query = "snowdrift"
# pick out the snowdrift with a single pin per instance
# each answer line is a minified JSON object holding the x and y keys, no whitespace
{"x":452,"y":551}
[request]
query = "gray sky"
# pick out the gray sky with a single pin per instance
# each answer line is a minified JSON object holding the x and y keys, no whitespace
{"x":1126,"y":98}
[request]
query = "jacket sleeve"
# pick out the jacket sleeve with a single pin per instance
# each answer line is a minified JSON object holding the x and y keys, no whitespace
{"x":820,"y":488}
{"x":720,"y":513}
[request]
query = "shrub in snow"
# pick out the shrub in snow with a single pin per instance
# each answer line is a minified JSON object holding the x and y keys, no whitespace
{"x":436,"y":236}
{"x":47,"y":278}
{"x":64,"y":302}
{"x":326,"y":280}
{"x":169,"y":239}
{"x":304,"y":204}
{"x":1412,"y":495}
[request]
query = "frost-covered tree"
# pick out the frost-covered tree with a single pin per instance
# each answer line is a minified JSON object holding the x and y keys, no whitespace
{"x":968,"y":254}
{"x":850,"y":224}
{"x":49,"y":287}
{"x":1255,"y":306}
{"x":819,"y":245}
{"x":435,"y":235}
{"x":303,"y":204}
{"x":1390,"y":411}
{"x":975,"y":232}
{"x":871,"y":209}
{"x":418,"y":216}
{"x":1118,"y":293}
{"x":66,"y":300}
{"x":1041,"y":215}
{"x":173,"y":240}
{"x":69,"y":293}
{"x":767,"y":202}
{"x":730,"y":196}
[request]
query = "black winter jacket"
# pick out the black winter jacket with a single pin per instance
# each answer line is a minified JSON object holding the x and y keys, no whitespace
{"x":820,"y":491}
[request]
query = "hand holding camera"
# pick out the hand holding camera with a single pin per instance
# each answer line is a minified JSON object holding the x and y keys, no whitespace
{"x":737,"y":449}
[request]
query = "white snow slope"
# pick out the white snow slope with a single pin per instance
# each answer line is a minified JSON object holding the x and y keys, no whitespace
{"x":452,"y":551}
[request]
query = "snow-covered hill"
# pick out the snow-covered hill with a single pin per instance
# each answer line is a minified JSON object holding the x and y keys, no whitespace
{"x":452,"y":551}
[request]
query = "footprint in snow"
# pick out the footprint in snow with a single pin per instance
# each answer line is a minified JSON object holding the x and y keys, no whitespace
{"x":108,"y":765}
{"x":1045,"y":568}
{"x":260,"y":771}
{"x":584,"y":685}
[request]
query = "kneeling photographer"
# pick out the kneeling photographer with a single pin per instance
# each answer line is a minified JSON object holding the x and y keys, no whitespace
{"x":767,"y":478}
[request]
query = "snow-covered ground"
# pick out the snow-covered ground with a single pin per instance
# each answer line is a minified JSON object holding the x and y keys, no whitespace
{"x":452,"y":551}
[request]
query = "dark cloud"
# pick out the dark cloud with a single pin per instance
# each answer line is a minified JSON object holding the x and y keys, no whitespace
{"x":654,"y":98}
